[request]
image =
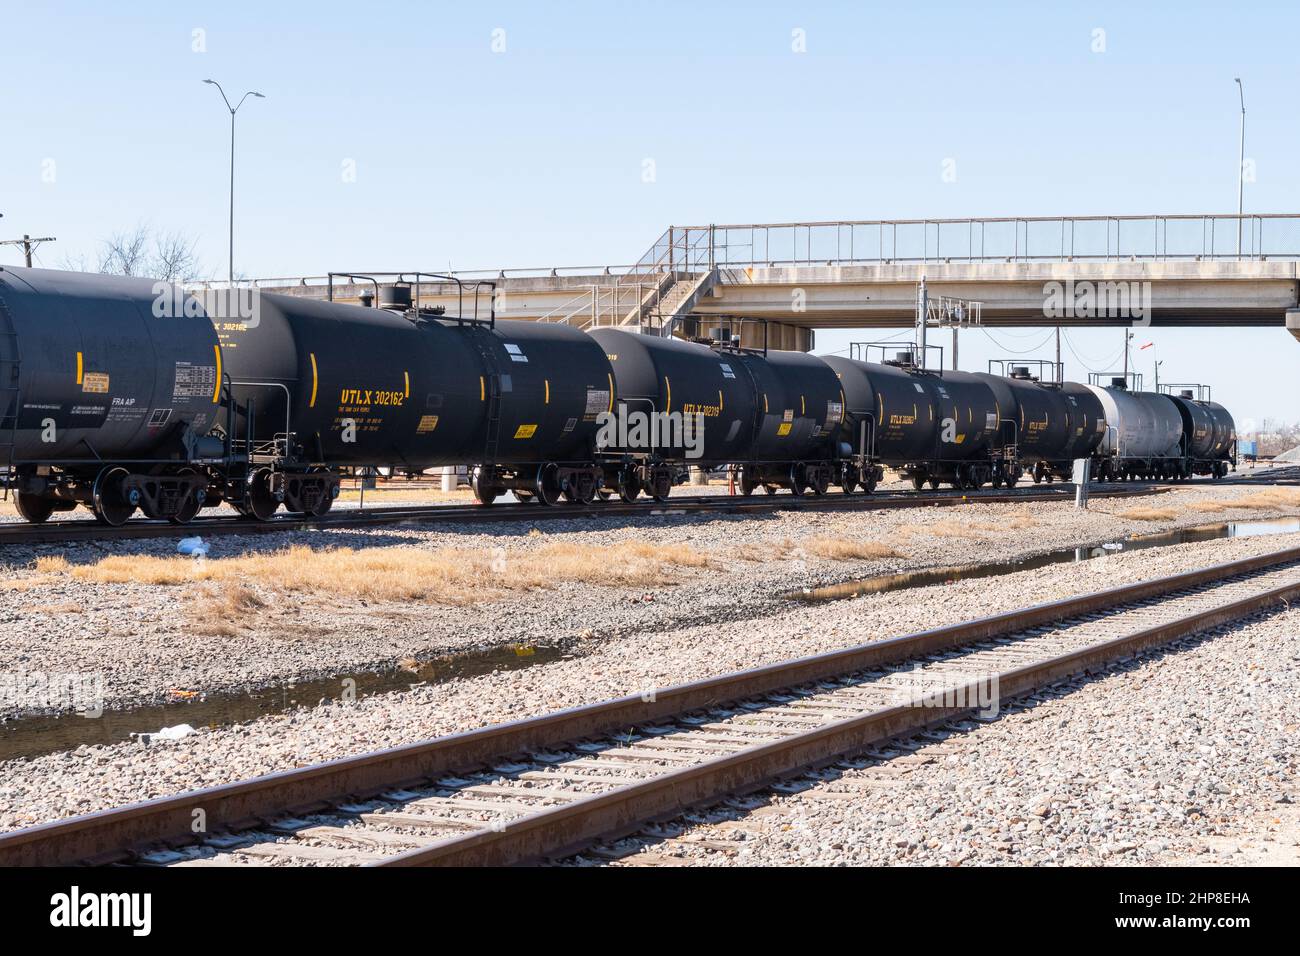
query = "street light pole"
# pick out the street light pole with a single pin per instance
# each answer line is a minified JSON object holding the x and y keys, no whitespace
{"x":1241,"y":162}
{"x":233,"y":110}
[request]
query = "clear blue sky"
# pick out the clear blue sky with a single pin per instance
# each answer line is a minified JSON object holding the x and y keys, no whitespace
{"x":469,"y":158}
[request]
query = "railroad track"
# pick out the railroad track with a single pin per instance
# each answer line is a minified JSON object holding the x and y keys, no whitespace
{"x":71,"y":531}
{"x":546,"y":787}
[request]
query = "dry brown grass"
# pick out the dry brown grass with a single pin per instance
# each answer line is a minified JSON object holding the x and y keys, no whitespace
{"x":952,"y":528}
{"x":1149,"y":514}
{"x":1269,"y":499}
{"x":52,"y":564}
{"x":846,"y":549}
{"x":447,"y":576}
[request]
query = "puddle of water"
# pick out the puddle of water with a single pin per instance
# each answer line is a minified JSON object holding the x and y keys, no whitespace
{"x":929,"y":576}
{"x":33,"y":736}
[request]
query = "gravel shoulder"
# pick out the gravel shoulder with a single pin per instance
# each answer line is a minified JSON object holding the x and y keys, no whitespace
{"x":147,"y":642}
{"x":1185,"y":757}
{"x":89,"y":778}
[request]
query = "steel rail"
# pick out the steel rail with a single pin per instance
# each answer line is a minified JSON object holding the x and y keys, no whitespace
{"x":557,"y":831}
{"x":88,"y":530}
{"x":110,"y":835}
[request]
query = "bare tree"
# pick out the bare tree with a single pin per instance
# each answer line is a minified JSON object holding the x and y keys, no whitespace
{"x":125,"y":253}
{"x":169,"y":256}
{"x":174,"y":259}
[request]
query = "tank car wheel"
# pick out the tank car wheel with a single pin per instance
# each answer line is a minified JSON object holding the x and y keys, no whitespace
{"x":578,"y":492}
{"x":33,"y":508}
{"x":745,"y":482}
{"x":524,"y":495}
{"x":259,"y":501}
{"x":110,"y":503}
{"x":661,"y":488}
{"x":604,"y":494}
{"x":548,"y":485}
{"x":918,"y":480}
{"x":770,"y":489}
{"x":192,"y":504}
{"x":934,"y":484}
{"x":798,"y":483}
{"x":480,"y":483}
{"x":818,"y":483}
{"x":629,"y":486}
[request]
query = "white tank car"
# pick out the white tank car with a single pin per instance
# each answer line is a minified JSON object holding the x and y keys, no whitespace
{"x":1139,"y":424}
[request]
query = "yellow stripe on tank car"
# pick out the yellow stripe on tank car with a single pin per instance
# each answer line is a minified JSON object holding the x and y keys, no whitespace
{"x":315,"y":380}
{"x":669,"y":386}
{"x":482,"y":389}
{"x":842,"y":408}
{"x":216,"y":388}
{"x":547,"y":399}
{"x":80,"y":368}
{"x":765,"y":403}
{"x":803,"y":406}
{"x":719,"y":401}
{"x":407,"y":377}
{"x":611,"y":391}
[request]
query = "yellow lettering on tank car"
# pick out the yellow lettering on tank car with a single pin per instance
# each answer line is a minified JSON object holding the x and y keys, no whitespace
{"x":525,"y":431}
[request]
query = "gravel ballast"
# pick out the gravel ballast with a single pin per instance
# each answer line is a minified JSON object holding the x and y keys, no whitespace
{"x":90,"y":778}
{"x":148,"y":642}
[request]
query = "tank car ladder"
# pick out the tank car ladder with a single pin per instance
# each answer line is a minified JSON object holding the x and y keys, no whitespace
{"x":492,"y":393}
{"x":10,"y":394}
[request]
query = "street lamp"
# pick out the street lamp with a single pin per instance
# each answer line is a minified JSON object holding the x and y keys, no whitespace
{"x":233,"y":110}
{"x":1241,"y":161}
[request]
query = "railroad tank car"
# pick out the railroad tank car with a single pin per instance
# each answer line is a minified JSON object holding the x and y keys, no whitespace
{"x":662,"y":376}
{"x":773,"y":415}
{"x":932,"y":426}
{"x":1048,"y":424}
{"x":107,"y":387}
{"x":1142,"y":436}
{"x":1209,"y":434}
{"x":359,"y":387}
{"x":800,"y":412}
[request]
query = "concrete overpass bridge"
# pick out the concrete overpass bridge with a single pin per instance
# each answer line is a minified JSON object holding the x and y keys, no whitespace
{"x":1184,"y":270}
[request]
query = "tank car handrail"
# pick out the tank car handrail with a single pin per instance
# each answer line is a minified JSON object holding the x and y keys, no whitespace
{"x":329,"y":295}
{"x":288,"y":413}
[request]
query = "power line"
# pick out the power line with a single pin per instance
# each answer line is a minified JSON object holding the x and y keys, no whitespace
{"x":1005,"y":348}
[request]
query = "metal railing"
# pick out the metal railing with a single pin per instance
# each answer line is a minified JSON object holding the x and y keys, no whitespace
{"x":684,"y":250}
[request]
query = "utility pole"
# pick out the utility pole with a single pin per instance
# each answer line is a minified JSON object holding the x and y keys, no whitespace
{"x":1241,"y":163}
{"x":1128,"y":337}
{"x":1060,"y":372}
{"x":1158,"y":364}
{"x":29,"y":245}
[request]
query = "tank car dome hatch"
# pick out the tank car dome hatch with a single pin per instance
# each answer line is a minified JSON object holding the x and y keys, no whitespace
{"x":395,"y":296}
{"x":903,"y":358}
{"x":1119,"y":382}
{"x":1020,"y":371}
{"x":366,"y":298}
{"x":1187,"y":393}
